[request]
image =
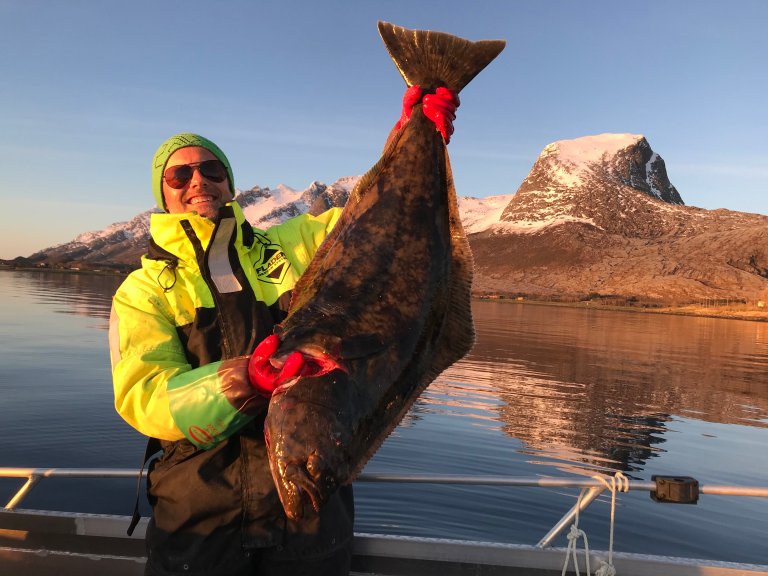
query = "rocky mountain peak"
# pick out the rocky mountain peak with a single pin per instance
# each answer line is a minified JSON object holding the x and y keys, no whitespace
{"x":626,"y":159}
{"x":592,"y":180}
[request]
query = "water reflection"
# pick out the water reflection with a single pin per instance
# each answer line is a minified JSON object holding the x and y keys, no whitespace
{"x":589,"y":390}
{"x":73,"y":293}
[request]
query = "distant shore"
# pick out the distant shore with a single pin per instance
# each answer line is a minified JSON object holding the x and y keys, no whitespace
{"x":736,"y":311}
{"x":730,"y":312}
{"x":4,"y":265}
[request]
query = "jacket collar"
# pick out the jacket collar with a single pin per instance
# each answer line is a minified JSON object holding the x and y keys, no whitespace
{"x":169,"y":238}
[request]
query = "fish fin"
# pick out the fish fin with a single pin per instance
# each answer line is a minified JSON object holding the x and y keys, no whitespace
{"x":306,"y":287}
{"x":432,"y":59}
{"x":457,"y":335}
{"x":455,"y":340}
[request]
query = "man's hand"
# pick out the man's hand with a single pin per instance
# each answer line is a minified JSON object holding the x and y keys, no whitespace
{"x":411,"y":97}
{"x":439,"y":107}
{"x":264,"y":376}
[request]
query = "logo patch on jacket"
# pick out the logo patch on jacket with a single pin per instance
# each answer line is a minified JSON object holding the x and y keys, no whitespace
{"x":272,"y":265}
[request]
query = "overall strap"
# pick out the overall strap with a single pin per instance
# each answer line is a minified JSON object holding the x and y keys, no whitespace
{"x":153,"y":447}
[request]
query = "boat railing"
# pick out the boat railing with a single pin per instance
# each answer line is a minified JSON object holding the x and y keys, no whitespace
{"x":662,"y":488}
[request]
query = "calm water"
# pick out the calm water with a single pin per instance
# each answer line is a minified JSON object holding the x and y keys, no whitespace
{"x":545,"y":392}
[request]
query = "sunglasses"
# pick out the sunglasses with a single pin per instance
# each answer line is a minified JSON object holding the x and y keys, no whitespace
{"x":179,"y":176}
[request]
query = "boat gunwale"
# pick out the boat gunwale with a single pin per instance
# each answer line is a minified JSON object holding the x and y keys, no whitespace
{"x":107,"y":532}
{"x":372,"y":552}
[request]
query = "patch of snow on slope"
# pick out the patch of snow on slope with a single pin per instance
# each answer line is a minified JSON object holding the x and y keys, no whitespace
{"x":284,"y":194}
{"x":573,"y":157}
{"x":530,"y":226}
{"x":589,"y":149}
{"x":567,"y":175}
{"x":88,"y":237}
{"x":347,"y":182}
{"x":136,"y":227}
{"x":278,"y":198}
{"x":649,"y":172}
{"x":478,"y":214}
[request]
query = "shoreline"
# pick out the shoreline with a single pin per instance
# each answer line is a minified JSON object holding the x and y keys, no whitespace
{"x":92,"y":271}
{"x":730,"y":312}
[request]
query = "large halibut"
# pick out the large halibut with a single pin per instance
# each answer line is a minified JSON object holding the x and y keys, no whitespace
{"x":387,"y":296}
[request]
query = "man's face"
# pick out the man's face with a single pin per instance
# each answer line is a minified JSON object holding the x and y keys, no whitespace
{"x":199,"y":194}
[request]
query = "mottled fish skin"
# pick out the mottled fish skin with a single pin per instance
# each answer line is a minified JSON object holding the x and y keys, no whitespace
{"x":387,"y":294}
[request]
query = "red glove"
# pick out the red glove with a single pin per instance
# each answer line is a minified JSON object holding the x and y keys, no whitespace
{"x":265,"y":378}
{"x":411,"y":97}
{"x":263,"y":375}
{"x":439,"y":107}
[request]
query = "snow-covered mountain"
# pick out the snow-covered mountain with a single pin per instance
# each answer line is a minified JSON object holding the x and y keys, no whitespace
{"x":120,"y":246}
{"x":591,"y":180}
{"x":264,"y":207}
{"x":596,"y":214}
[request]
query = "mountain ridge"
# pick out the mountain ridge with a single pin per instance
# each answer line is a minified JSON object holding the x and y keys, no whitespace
{"x":595,"y":215}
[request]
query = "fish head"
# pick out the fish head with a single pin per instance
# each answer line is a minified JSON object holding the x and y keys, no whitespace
{"x":307,"y":431}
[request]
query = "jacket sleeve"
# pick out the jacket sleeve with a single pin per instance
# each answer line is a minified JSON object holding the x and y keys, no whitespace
{"x":301,"y":236}
{"x":157,"y":391}
{"x":146,"y":353}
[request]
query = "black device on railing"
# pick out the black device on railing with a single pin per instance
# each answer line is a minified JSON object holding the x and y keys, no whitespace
{"x":675,"y":489}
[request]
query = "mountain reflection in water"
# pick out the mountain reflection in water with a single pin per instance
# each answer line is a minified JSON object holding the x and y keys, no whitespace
{"x":577,"y":383}
{"x":546,"y":391}
{"x":84,"y":294}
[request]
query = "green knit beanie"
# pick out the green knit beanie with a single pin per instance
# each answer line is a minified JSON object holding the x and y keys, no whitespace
{"x":176,"y":143}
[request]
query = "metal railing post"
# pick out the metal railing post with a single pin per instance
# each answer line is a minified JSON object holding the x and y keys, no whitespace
{"x":581,"y":505}
{"x":32,"y":481}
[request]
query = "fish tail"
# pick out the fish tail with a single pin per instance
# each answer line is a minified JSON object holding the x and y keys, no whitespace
{"x":432,"y":59}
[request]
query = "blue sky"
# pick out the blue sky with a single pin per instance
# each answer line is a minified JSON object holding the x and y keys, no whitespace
{"x":296,"y":91}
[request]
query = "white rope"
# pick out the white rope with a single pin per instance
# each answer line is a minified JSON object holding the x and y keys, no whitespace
{"x":618,"y":483}
{"x":573,"y":541}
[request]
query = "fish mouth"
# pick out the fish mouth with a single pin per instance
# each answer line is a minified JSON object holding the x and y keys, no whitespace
{"x":307,"y":363}
{"x":306,"y":438}
{"x":304,"y":487}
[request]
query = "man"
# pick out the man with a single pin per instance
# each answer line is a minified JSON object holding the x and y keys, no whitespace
{"x":209,"y":290}
{"x":182,"y":329}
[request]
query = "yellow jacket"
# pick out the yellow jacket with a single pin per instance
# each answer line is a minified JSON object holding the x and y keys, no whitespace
{"x":182,"y":325}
